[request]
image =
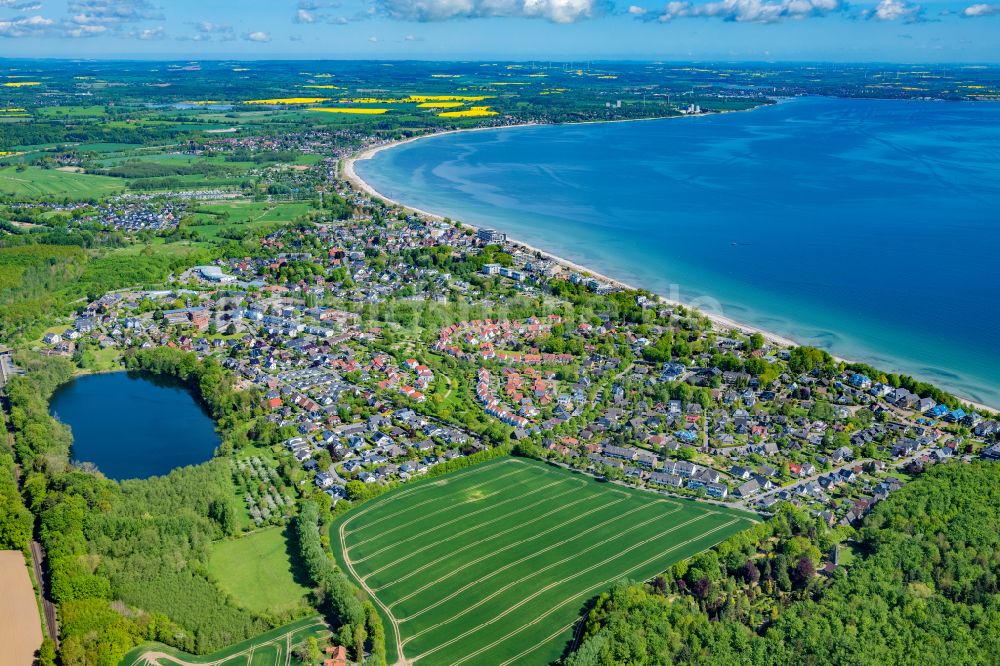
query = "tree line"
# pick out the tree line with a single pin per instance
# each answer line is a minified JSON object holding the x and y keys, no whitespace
{"x":347,"y":609}
{"x":924,"y":589}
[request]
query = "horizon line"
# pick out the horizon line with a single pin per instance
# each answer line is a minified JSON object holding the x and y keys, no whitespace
{"x":623,"y":60}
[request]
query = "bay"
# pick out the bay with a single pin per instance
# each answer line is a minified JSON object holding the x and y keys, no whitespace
{"x":869,"y":228}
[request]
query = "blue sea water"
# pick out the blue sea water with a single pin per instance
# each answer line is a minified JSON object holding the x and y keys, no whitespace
{"x":870,"y":228}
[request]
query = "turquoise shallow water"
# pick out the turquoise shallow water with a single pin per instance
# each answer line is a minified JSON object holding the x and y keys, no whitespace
{"x":870,"y":228}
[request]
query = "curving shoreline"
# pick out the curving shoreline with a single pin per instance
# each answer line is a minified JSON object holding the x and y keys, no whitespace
{"x":723,"y":323}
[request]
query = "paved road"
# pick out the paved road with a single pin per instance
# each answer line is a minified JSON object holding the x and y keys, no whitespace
{"x":901,"y":462}
{"x":4,"y":370}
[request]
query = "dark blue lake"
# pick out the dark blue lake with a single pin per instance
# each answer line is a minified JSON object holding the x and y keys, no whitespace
{"x":870,"y":228}
{"x":133,"y":426}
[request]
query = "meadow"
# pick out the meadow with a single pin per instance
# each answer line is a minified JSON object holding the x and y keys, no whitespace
{"x":211,"y":220}
{"x":494,"y":564}
{"x":35,"y":182}
{"x":274,"y":648}
{"x":239,"y":567}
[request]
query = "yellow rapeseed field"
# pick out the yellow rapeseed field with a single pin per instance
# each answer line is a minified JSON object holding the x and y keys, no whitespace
{"x":439,"y":105}
{"x":373,"y":100}
{"x":446,"y":98}
{"x":325,"y":87}
{"x":473,"y":112}
{"x":21,"y":84}
{"x":289,"y":100}
{"x":367,"y":112}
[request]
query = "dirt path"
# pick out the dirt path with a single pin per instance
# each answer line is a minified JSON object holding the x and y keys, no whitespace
{"x":407,"y":492}
{"x":570,"y":599}
{"x":153,"y":657}
{"x":497,"y":592}
{"x":507,"y":566}
{"x":454,"y":535}
{"x":20,"y":631}
{"x":473,"y":544}
{"x":400,"y":660}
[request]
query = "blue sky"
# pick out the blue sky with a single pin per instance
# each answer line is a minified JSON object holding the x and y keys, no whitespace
{"x":758,"y":30}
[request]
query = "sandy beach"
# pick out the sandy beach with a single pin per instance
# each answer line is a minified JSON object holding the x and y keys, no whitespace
{"x":724,"y":324}
{"x":352,"y":176}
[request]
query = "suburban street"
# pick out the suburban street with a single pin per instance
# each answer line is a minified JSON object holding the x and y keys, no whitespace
{"x":791,"y":488}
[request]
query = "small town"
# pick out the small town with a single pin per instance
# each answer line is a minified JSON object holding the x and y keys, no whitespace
{"x":388,"y":356}
{"x":336,"y":327}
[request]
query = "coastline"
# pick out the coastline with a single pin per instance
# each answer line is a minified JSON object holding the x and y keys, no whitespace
{"x":722,"y":323}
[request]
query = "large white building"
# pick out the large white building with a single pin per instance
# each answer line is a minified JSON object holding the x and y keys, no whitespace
{"x":214,"y":274}
{"x":491,"y":235}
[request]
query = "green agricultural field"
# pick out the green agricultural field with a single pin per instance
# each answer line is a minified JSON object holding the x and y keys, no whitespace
{"x":275,"y":648}
{"x":107,"y":147}
{"x":35,"y":182}
{"x":210,"y":222}
{"x":493,"y":564}
{"x":239,"y":566}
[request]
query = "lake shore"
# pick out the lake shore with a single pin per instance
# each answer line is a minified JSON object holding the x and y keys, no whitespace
{"x":724,"y":324}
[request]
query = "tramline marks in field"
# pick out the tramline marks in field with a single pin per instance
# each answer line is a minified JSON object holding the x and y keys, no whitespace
{"x":494,"y":565}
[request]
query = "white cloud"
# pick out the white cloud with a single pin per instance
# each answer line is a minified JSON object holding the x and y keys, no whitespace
{"x":556,"y":11}
{"x":148,"y":34}
{"x":111,"y":12}
{"x":749,"y":11}
{"x":25,"y":26}
{"x":373,"y":39}
{"x":213,"y":28}
{"x":636,"y":10}
{"x":206,"y":31}
{"x":29,"y":6}
{"x":315,"y":13}
{"x":82,"y":31}
{"x":257,"y":36}
{"x":92,"y":18}
{"x":981,"y":9}
{"x":895,"y":10}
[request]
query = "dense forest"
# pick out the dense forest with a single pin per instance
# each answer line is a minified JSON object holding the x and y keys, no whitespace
{"x":924,"y":590}
{"x":128,"y":561}
{"x":41,"y":281}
